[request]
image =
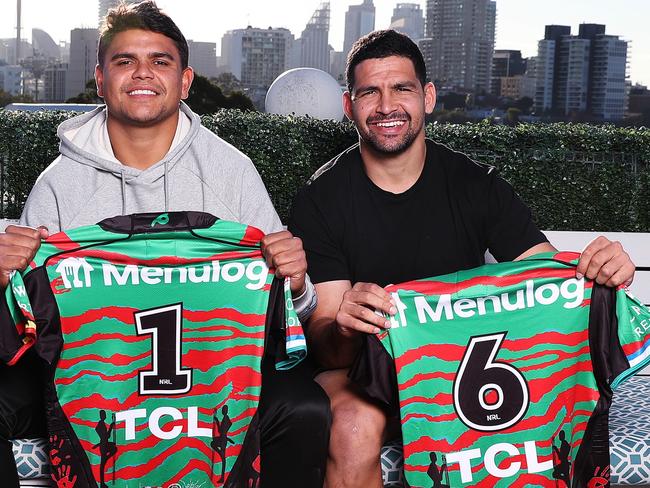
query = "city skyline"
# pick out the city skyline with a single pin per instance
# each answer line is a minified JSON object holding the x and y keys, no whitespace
{"x":520,"y":23}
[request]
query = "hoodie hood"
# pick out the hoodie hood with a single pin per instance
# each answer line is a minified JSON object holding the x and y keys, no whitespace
{"x":84,"y":139}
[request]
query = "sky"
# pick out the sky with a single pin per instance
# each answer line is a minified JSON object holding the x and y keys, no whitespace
{"x":520,"y":23}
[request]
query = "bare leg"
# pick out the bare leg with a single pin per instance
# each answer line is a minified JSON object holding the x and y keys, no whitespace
{"x":358,"y":431}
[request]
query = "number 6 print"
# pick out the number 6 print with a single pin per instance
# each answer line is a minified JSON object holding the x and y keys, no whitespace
{"x":166,"y":376}
{"x":489,"y":395}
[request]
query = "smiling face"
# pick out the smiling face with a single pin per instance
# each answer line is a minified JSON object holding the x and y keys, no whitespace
{"x":141,"y":79}
{"x":388,"y":103}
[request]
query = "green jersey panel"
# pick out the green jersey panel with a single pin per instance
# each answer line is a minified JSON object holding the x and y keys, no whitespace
{"x":504,"y":373}
{"x":155,"y":326}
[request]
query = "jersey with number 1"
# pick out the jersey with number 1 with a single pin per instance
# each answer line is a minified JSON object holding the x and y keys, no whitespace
{"x":504,"y":373}
{"x":155,"y":326}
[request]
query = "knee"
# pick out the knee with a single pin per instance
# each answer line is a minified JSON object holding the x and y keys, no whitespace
{"x":357,"y":429}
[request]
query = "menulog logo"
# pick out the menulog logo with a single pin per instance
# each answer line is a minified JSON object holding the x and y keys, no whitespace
{"x":78,"y":273}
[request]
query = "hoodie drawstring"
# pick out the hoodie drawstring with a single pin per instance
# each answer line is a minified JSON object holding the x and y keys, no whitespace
{"x":166,"y":188}
{"x":123,"y":193}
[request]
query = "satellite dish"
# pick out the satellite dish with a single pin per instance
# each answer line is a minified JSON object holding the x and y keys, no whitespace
{"x":305,"y":91}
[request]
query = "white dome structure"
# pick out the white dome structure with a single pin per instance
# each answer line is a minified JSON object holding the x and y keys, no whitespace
{"x":305,"y":91}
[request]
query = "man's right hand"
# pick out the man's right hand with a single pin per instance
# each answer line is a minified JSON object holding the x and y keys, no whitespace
{"x":18,"y":245}
{"x":357,"y":310}
{"x":343,"y":314}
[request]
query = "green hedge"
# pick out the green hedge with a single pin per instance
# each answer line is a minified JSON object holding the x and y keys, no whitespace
{"x":574,"y":177}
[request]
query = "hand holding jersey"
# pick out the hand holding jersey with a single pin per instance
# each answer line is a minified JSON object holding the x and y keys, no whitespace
{"x":18,"y":246}
{"x":285,"y":254}
{"x":606,"y":263}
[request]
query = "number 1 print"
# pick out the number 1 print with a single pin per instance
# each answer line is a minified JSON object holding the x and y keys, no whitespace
{"x":166,"y":376}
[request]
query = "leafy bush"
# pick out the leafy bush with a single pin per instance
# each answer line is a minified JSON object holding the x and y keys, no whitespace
{"x":573,"y":176}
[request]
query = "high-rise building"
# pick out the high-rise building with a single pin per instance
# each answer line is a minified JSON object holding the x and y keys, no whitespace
{"x":505,"y":63}
{"x":583,"y":74}
{"x":608,"y":88}
{"x":54,"y":82}
{"x":83,"y":58}
{"x":337,"y":66}
{"x":314,"y":45}
{"x":105,"y":5}
{"x":462,"y":42}
{"x":203,"y":57}
{"x":359,"y":21}
{"x":545,"y":65}
{"x":408,"y":19}
{"x":11,"y":79}
{"x":8,"y":50}
{"x":256,"y":56}
{"x":572,"y":75}
{"x":426,"y":47}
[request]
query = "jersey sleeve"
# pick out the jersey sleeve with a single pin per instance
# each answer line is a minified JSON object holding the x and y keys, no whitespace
{"x":285,"y":343}
{"x":633,"y":334}
{"x":294,"y":336}
{"x":510,"y":227}
{"x":17,"y":321}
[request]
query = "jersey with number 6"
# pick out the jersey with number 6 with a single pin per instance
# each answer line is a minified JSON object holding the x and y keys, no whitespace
{"x":504,"y":373}
{"x":155,"y":327}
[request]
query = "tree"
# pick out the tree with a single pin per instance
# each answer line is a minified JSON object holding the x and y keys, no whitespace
{"x":89,"y":95}
{"x":525,"y":104}
{"x":228,"y":83}
{"x":7,"y":98}
{"x":206,"y":98}
{"x":512,"y":116}
{"x":453,"y":101}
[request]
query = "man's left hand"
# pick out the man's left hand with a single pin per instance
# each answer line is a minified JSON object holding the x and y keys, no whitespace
{"x":283,"y":252}
{"x":606,"y":262}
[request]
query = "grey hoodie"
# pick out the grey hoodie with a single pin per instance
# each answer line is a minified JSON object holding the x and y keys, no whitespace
{"x":85,"y":184}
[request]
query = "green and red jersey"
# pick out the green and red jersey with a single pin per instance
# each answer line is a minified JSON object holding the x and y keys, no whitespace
{"x":504,"y":373}
{"x":155,"y":326}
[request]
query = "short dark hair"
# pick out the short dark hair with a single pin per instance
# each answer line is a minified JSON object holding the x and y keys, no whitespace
{"x":382,"y":44}
{"x":146,"y":16}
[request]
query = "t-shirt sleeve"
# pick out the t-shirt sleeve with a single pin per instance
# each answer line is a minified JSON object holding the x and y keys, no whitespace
{"x":325,"y":258}
{"x":633,"y":334}
{"x":510,"y":227}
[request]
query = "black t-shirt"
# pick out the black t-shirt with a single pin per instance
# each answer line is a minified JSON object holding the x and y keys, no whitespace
{"x":353,"y":230}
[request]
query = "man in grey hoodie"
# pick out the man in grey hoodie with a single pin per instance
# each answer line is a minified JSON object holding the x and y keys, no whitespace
{"x":146,"y":151}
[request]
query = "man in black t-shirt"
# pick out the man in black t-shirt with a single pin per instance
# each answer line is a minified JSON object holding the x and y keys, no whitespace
{"x":398,"y":207}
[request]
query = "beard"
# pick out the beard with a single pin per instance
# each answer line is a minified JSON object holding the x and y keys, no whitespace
{"x":394,"y":145}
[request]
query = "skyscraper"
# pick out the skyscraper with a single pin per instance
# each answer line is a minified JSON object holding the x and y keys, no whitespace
{"x":83,"y":58}
{"x":314,"y":45}
{"x":545,"y":71}
{"x":359,"y":21}
{"x":462,"y":42}
{"x":408,"y":19}
{"x":256,"y":56}
{"x":203,"y":57}
{"x":583,"y":74}
{"x":54,"y":82}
